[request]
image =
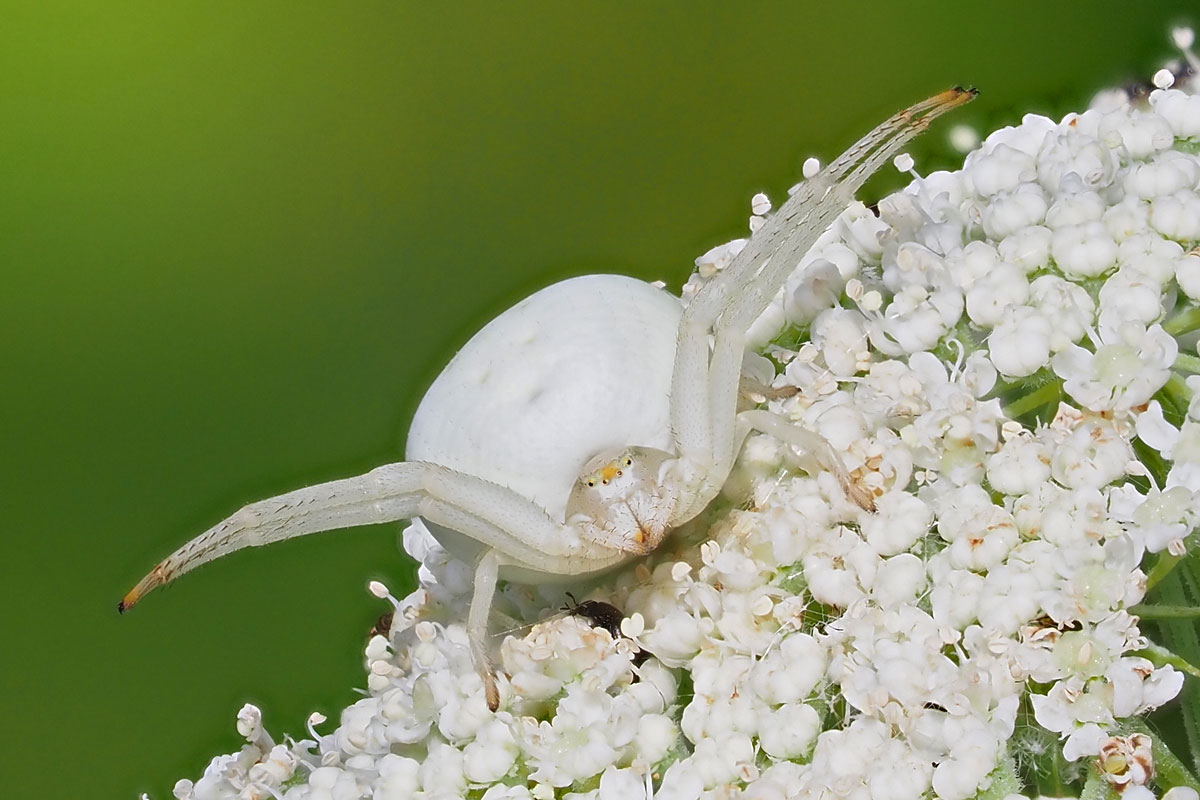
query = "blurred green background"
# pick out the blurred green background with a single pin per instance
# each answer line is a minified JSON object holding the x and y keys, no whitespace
{"x":239,"y":238}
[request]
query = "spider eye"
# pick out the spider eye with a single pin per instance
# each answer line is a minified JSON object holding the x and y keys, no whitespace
{"x":605,"y":481}
{"x":628,"y":461}
{"x":591,"y":482}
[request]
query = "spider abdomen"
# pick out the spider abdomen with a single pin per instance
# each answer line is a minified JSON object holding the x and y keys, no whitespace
{"x":579,"y":367}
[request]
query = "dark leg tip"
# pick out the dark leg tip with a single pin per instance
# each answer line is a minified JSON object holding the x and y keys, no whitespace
{"x":121,"y":607}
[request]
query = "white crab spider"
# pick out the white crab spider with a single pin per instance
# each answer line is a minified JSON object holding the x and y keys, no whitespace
{"x":580,"y":426}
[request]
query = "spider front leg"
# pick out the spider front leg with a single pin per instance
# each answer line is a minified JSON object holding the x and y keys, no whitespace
{"x":704,"y":385}
{"x":512,"y":529}
{"x":491,"y":514}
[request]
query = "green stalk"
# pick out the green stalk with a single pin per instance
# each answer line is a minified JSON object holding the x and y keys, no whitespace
{"x":1178,"y":393}
{"x":1004,"y":780}
{"x":1058,"y":785}
{"x":1096,"y":787}
{"x":1186,"y":322}
{"x":1182,"y":638}
{"x":1170,"y":771}
{"x":1160,"y":656}
{"x":1148,"y":611}
{"x":1162,"y":568}
{"x":1043,"y":395}
{"x":1187,"y":363}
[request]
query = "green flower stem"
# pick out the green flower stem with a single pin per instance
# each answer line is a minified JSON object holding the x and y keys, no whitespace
{"x":1096,"y":787}
{"x":1183,"y":639}
{"x":1160,"y":656}
{"x":1004,"y":780}
{"x":1170,"y":770}
{"x":1162,"y":568}
{"x":1043,"y":395}
{"x":1187,"y":363}
{"x":1178,"y":392}
{"x":1057,"y":782}
{"x":1186,"y":322}
{"x":1147,"y":611}
{"x":1153,"y":461}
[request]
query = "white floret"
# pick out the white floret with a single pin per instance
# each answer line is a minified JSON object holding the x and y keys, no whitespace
{"x":1187,"y":273}
{"x":1176,"y":215}
{"x":1083,"y":251}
{"x":1028,"y":247}
{"x":1013,"y":210}
{"x":1130,"y":364}
{"x":1003,"y":287}
{"x":901,"y":520}
{"x":1141,"y":133}
{"x":1001,"y":168}
{"x":1181,"y":112}
{"x":1168,"y":173}
{"x":1020,"y":344}
{"x":1019,"y":466}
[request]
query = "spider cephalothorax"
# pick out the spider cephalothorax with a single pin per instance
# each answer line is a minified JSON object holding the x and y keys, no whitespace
{"x":625,"y":499}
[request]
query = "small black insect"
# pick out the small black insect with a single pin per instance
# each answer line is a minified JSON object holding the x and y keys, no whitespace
{"x":599,"y":613}
{"x":602,"y":615}
{"x":383,"y":625}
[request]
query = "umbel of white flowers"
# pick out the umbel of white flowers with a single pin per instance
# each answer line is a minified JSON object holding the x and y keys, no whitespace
{"x":790,"y":644}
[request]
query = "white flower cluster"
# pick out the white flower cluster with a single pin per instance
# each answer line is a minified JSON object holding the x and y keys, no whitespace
{"x":792,"y":645}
